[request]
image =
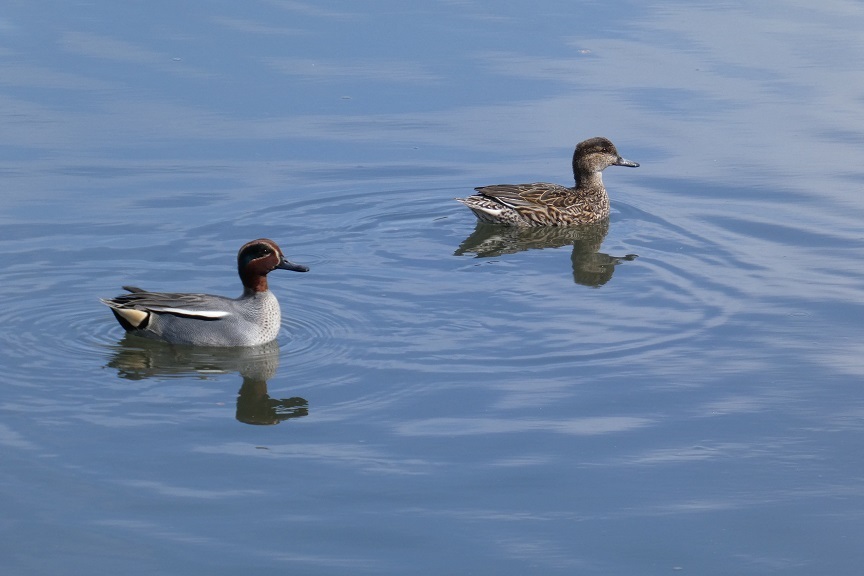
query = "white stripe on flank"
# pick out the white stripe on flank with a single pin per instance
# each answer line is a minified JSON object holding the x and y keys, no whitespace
{"x":201,"y":313}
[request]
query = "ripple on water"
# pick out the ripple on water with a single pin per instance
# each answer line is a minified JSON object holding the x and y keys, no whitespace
{"x":392,"y":286}
{"x":49,"y":336}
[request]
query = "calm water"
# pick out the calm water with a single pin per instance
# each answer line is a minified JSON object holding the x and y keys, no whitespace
{"x":678,"y":392}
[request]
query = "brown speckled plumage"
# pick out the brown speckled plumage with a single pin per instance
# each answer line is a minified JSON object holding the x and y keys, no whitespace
{"x":544,"y":204}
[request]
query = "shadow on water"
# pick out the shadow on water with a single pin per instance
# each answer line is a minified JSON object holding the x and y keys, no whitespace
{"x":590,"y":266}
{"x":139,"y":358}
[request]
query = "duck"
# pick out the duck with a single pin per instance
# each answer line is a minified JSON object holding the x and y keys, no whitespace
{"x":252,"y":319}
{"x":544,"y":204}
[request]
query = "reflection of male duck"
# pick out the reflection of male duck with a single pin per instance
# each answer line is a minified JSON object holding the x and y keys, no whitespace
{"x":139,"y":358}
{"x":255,"y":406}
{"x":590,"y":267}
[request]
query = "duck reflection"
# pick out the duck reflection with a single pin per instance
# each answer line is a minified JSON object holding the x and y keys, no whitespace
{"x":590,"y":266}
{"x":140,"y":358}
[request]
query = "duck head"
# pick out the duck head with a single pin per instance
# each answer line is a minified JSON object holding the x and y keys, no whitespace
{"x":258,"y":258}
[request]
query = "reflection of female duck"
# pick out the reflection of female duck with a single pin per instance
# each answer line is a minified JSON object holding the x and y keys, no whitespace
{"x":141,"y":358}
{"x":590,"y":267}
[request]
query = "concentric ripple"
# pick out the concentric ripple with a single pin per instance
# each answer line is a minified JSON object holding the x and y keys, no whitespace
{"x":390,"y":289}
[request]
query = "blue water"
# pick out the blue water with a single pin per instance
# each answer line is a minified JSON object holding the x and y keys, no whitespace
{"x":676,"y":392}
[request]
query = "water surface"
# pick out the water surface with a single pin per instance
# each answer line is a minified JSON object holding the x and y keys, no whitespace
{"x":677,"y":390}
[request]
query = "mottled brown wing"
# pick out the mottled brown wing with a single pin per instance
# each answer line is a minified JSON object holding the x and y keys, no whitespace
{"x":528,"y":195}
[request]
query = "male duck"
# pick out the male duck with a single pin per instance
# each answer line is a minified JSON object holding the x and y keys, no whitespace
{"x":205,"y":320}
{"x":542,"y":204}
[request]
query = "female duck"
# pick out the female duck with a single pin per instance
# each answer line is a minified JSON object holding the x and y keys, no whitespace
{"x":205,"y":320}
{"x":543,"y":204}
